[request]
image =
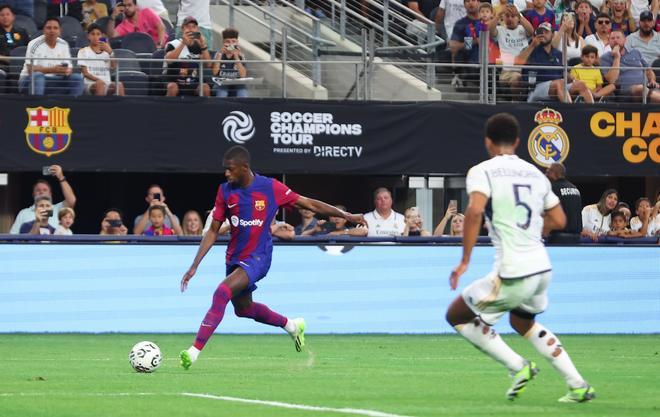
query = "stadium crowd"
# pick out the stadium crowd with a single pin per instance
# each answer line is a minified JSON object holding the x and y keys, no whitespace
{"x":608,"y":217}
{"x":621,"y":34}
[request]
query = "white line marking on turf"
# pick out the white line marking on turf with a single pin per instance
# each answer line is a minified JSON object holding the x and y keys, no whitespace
{"x":357,"y":411}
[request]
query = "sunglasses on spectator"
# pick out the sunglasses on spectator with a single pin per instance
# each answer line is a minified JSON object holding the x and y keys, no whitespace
{"x":603,"y":22}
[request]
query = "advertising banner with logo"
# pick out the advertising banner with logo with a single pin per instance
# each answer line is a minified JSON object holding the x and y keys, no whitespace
{"x":301,"y":136}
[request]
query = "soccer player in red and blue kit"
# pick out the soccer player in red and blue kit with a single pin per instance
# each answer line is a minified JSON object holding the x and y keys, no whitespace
{"x":250,"y":202}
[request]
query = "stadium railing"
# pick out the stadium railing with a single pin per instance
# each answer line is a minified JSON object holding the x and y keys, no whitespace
{"x":144,"y":74}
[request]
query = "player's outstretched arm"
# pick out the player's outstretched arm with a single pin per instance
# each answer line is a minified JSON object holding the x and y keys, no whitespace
{"x":326,"y":209}
{"x":204,"y":246}
{"x":473,"y":216}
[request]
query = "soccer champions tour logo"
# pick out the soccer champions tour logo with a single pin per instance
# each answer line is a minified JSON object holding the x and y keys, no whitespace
{"x":238,"y":127}
{"x":548,"y":143}
{"x":48,"y":131}
{"x":641,"y":134}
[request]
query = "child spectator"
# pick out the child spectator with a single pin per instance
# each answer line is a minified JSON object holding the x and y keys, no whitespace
{"x":91,"y":11}
{"x":192,"y":224}
{"x":158,"y":227}
{"x":586,"y":22}
{"x":512,"y":39}
{"x":97,"y":73}
{"x":485,"y":19}
{"x":229,"y":65}
{"x":618,"y":225}
{"x":540,"y":14}
{"x":589,"y":75}
{"x":66,"y":217}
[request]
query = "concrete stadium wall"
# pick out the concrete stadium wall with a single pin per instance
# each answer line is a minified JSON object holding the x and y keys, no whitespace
{"x":374,"y":288}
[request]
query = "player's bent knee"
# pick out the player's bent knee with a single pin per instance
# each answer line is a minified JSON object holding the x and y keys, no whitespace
{"x":521,"y":321}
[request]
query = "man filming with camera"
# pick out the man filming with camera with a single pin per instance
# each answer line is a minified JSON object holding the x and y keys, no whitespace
{"x":43,"y":211}
{"x":182,"y":56}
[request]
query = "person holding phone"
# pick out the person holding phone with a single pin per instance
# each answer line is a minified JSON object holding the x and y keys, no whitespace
{"x":155,"y":197}
{"x":229,"y":66}
{"x":112,"y":223}
{"x":182,"y":58}
{"x":42,"y":214}
{"x":48,"y":61}
{"x":42,"y":188}
{"x":136,"y":19}
{"x":456,"y":218}
{"x":95,"y":64}
{"x":414,"y":223}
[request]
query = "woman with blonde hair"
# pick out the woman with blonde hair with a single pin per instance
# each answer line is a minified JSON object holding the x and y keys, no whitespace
{"x":192,"y":224}
{"x":457,"y":220}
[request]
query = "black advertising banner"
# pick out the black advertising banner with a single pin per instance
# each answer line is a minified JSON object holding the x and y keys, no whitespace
{"x":155,"y":134}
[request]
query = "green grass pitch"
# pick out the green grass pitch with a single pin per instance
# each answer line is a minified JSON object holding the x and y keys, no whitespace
{"x":424,"y":375}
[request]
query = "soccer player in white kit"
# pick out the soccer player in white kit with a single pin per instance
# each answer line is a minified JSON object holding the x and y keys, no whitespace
{"x":519,"y":205}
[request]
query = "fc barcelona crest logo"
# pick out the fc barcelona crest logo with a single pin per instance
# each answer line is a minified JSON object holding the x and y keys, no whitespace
{"x":48,"y":131}
{"x":260,"y":205}
{"x":548,"y":143}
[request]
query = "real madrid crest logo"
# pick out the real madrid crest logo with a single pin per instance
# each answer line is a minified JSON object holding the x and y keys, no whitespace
{"x":548,"y":143}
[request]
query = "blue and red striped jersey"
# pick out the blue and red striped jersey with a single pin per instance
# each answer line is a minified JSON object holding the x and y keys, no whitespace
{"x":250,"y":212}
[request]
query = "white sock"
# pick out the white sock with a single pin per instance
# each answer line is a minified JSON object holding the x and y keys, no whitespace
{"x":194,"y":353}
{"x":488,"y":341}
{"x":290,"y":326}
{"x":550,"y":347}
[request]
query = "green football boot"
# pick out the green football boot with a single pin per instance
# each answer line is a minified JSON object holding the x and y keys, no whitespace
{"x":186,"y":360}
{"x":579,"y":395}
{"x":299,"y":335}
{"x":521,"y":379}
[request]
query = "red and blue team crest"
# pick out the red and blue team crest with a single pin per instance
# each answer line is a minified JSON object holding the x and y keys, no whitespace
{"x":259,"y":204}
{"x":48,"y":131}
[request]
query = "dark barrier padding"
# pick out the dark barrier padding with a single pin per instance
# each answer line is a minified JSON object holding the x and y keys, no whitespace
{"x":188,"y":134}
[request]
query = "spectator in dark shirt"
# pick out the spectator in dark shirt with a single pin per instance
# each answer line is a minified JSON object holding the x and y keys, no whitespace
{"x":464,"y":41}
{"x":10,"y":36}
{"x":571,"y":202}
{"x":229,"y":66}
{"x":548,"y":83}
{"x":42,"y":213}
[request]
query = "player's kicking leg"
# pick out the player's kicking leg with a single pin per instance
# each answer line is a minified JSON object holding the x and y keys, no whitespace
{"x":244,"y":306}
{"x":235,"y":283}
{"x":549,"y":346}
{"x":484,"y":338}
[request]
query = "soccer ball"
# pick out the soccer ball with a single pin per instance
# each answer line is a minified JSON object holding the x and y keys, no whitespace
{"x":145,"y":357}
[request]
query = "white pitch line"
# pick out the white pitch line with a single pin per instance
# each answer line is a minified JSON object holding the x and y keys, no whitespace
{"x":356,"y":411}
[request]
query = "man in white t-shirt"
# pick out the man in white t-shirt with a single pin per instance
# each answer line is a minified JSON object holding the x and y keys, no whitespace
{"x":42,"y":188}
{"x":51,"y":68}
{"x":384,"y":221}
{"x":94,"y":61}
{"x":200,"y":10}
{"x":512,"y":37}
{"x":601,"y":39}
{"x":519,"y":205}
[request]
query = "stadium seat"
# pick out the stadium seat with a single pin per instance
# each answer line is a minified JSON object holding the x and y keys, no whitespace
{"x":108,"y":5}
{"x":656,"y":68}
{"x":138,"y":42}
{"x":72,"y":31}
{"x":16,"y":65}
{"x":40,"y":12}
{"x":26,"y":23}
{"x":132,"y":65}
{"x":171,"y":34}
{"x":136,"y":83}
{"x":574,"y":61}
{"x":156,"y":76}
{"x":103,"y":23}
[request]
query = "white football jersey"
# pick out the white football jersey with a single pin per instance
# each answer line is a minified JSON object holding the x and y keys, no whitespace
{"x":519,"y":194}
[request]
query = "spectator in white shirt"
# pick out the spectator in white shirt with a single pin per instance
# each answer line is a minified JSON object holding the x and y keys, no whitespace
{"x":95,"y":71}
{"x":384,"y":221}
{"x":51,"y":67}
{"x":645,"y":40}
{"x":42,"y":188}
{"x":601,"y":39}
{"x":596,"y":217}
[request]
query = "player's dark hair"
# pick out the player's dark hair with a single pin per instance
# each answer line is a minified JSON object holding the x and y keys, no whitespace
{"x":640,"y":200}
{"x":54,"y":19}
{"x":502,"y":129}
{"x":154,"y":208}
{"x":601,"y":202}
{"x":6,"y":6}
{"x":238,"y":154}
